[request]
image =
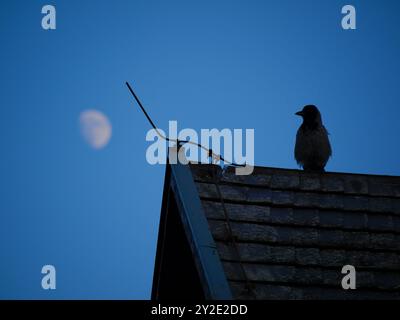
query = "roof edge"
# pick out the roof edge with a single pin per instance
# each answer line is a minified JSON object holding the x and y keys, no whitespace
{"x":199,"y":234}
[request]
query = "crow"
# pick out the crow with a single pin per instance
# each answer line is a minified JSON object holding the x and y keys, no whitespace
{"x":312,"y":149}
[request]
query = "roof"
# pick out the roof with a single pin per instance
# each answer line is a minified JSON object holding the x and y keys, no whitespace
{"x":279,"y":234}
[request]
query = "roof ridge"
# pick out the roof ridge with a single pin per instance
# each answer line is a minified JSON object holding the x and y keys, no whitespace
{"x":298,"y":171}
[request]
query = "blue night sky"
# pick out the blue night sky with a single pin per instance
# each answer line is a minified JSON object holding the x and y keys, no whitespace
{"x":94,"y":214}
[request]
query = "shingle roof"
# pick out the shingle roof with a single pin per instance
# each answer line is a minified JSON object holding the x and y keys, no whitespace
{"x":294,"y":231}
{"x":286,"y":234}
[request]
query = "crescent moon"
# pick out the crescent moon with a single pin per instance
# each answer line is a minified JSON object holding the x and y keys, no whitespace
{"x":95,"y":128}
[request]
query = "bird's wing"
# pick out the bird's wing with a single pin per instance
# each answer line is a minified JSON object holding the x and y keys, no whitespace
{"x":326,"y":144}
{"x":302,"y":146}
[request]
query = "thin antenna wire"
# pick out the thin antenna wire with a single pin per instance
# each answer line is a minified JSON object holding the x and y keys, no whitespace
{"x":213,"y":155}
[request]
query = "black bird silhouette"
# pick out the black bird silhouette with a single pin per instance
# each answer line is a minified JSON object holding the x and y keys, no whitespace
{"x":313,"y":149}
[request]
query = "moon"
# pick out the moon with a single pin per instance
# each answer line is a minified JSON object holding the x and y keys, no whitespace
{"x":95,"y":128}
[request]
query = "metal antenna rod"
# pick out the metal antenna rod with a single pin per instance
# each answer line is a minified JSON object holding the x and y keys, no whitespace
{"x":178,"y":142}
{"x":140,"y":105}
{"x":147,"y":115}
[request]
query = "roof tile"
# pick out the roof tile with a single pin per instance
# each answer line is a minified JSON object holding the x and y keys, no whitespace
{"x":330,"y":218}
{"x":356,"y":203}
{"x":285,"y":181}
{"x":380,"y":204}
{"x":354,"y":220}
{"x":308,"y":256}
{"x":331,"y":183}
{"x":380,"y":222}
{"x":310,"y":182}
{"x":355,"y":184}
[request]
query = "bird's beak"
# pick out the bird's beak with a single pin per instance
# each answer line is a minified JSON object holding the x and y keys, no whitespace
{"x":300,"y":113}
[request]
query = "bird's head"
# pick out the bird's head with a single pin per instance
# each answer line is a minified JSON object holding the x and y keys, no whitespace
{"x":310,"y":114}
